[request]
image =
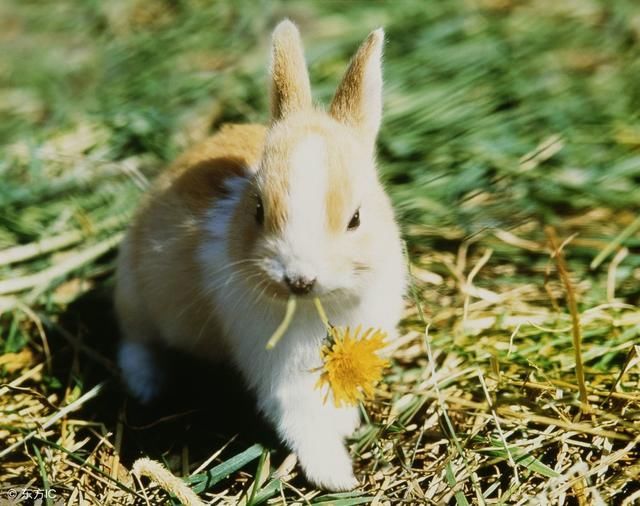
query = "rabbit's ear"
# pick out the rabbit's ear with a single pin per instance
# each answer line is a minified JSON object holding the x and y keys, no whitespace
{"x":290,"y":87}
{"x":358,"y":101}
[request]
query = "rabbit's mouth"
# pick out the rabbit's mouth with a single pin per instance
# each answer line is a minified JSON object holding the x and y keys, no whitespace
{"x":287,"y":288}
{"x":271,"y":279}
{"x":283,"y":289}
{"x":264,"y":286}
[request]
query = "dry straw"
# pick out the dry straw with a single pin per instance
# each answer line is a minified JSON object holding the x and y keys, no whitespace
{"x":163,"y":477}
{"x":479,"y":150}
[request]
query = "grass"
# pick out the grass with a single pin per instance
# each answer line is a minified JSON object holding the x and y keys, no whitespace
{"x":516,"y":378}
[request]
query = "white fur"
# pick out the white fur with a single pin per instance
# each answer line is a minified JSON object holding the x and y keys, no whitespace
{"x":139,"y":367}
{"x":307,"y":190}
{"x":246,"y":314}
{"x":284,"y":378}
{"x":371,"y":108}
{"x":299,"y":252}
{"x":135,"y":359}
{"x":218,"y":218}
{"x":365,"y":110}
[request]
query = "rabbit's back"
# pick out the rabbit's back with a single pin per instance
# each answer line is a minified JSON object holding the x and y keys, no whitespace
{"x":158,"y":265}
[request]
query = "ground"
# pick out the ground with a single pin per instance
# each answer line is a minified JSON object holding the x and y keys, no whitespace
{"x":511,"y":149}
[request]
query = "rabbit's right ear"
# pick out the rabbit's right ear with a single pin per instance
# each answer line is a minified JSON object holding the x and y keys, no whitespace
{"x":290,"y":87}
{"x":358,"y":101}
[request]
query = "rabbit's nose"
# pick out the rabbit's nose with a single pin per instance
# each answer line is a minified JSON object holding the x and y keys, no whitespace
{"x":299,"y":285}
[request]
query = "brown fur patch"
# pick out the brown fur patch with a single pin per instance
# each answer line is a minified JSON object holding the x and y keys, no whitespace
{"x":344,"y":160}
{"x":191,"y":185}
{"x":167,"y":234}
{"x":241,"y":142}
{"x":205,"y":181}
{"x":350,"y":102}
{"x":163,"y":275}
{"x":290,"y":86}
{"x":199,"y":175}
{"x":337,"y":201}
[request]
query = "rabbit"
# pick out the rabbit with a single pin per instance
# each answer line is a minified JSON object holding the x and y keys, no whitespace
{"x":252,"y":216}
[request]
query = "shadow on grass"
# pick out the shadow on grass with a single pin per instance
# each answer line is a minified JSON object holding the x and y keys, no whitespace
{"x":203,"y":406}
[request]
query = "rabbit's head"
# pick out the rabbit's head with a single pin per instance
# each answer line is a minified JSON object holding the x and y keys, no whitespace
{"x":315,"y":219}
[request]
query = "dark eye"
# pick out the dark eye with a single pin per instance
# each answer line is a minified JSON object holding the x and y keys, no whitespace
{"x":355,"y":221}
{"x":259,"y":212}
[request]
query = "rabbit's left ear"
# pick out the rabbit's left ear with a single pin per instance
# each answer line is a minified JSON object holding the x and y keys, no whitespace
{"x":358,"y":101}
{"x":290,"y":87}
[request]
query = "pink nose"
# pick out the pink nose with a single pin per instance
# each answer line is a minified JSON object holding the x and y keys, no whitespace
{"x":299,"y":285}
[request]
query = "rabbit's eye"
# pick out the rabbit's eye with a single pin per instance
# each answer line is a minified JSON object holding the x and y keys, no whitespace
{"x":355,"y":221}
{"x":259,"y":212}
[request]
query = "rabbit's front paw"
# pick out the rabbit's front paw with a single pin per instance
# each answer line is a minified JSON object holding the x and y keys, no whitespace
{"x":328,"y":465}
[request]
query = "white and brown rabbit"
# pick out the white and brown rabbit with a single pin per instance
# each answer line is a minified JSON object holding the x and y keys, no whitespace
{"x":247,"y":218}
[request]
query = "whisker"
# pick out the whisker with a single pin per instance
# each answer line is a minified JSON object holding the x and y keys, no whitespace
{"x":220,"y":281}
{"x":224,"y":283}
{"x":251,"y":261}
{"x":208,"y":289}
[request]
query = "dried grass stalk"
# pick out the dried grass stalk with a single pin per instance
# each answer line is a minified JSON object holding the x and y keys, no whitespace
{"x":161,"y":475}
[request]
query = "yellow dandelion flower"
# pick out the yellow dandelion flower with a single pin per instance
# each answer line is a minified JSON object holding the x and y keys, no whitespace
{"x":351,"y":365}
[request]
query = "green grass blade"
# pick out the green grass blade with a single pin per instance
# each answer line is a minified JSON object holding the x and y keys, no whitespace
{"x":204,"y":481}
